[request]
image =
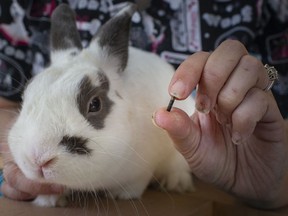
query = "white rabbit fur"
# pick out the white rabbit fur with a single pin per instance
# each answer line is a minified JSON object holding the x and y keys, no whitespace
{"x":126,"y":152}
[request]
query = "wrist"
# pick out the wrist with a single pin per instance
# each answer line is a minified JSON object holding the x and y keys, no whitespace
{"x":276,"y":198}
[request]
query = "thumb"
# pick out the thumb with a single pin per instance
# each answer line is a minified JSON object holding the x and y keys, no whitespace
{"x":183,"y":130}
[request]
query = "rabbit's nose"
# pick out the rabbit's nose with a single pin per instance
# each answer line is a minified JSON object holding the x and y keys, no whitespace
{"x":46,"y":163}
{"x":45,"y":167}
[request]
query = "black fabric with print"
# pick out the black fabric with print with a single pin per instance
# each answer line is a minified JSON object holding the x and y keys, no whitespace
{"x":172,"y":29}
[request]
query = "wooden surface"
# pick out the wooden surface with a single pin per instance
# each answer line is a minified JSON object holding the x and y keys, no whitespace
{"x":205,"y":201}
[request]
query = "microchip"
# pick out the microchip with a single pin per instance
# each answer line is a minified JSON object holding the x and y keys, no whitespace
{"x":171,"y":102}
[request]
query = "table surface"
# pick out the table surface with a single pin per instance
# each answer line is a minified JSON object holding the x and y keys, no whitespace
{"x":206,"y":200}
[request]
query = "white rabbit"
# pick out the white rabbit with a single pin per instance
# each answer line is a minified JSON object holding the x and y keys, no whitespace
{"x":86,"y":122}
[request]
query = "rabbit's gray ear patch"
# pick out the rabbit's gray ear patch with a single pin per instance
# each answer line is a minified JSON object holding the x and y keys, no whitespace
{"x":75,"y":145}
{"x":64,"y":33}
{"x":113,"y":36}
{"x":93,"y":101}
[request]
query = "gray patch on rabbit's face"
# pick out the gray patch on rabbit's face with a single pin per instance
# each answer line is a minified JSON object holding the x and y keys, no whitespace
{"x":75,"y":145}
{"x":87,"y":92}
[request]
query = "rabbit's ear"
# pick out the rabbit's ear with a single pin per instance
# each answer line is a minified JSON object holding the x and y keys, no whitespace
{"x":113,"y":38}
{"x":64,"y":34}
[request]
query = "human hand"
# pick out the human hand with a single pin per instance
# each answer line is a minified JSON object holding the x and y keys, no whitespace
{"x":16,"y":185}
{"x":237,"y":139}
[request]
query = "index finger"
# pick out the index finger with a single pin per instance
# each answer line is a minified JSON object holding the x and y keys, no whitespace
{"x":188,"y":75}
{"x":15,"y":178}
{"x":13,"y":193}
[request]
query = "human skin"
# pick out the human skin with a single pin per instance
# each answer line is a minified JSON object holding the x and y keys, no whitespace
{"x":237,"y":138}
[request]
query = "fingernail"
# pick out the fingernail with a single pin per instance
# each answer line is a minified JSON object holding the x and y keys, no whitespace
{"x":178,"y":89}
{"x":203,"y":104}
{"x":153,"y":119}
{"x":236,"y":138}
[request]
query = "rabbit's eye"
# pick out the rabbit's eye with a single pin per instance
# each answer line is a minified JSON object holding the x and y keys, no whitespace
{"x":95,"y":105}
